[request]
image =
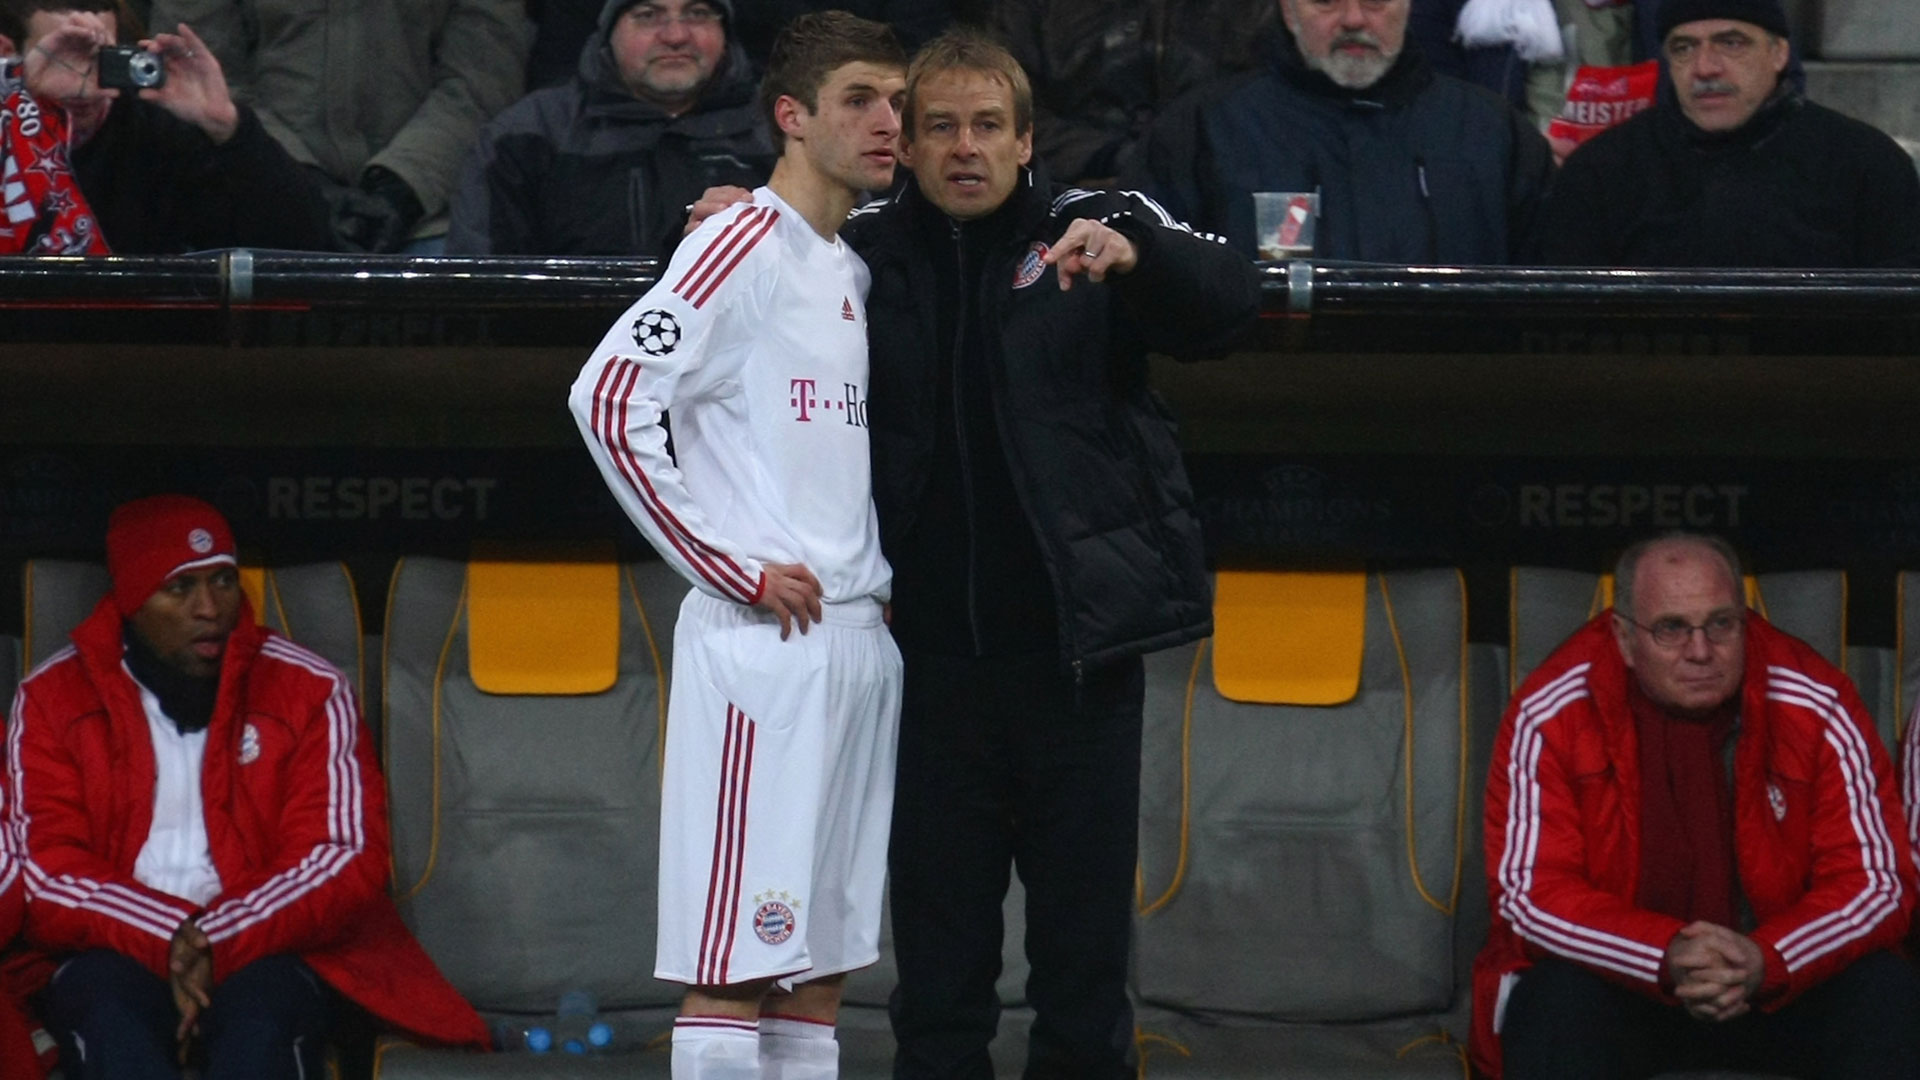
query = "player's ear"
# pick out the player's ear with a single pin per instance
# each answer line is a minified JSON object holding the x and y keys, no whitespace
{"x":8,"y":49}
{"x":791,"y":114}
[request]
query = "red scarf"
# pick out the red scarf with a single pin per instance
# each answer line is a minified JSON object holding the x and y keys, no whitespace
{"x":41,"y":209}
{"x":1686,"y":812}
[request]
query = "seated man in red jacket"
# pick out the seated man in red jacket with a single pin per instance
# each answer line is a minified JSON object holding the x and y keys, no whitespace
{"x":203,"y":830}
{"x":1695,"y":853}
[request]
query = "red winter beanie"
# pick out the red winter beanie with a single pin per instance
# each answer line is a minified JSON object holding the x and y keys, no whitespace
{"x":150,"y":540}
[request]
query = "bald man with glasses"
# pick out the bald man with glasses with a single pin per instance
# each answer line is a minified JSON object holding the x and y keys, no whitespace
{"x":1695,"y":852}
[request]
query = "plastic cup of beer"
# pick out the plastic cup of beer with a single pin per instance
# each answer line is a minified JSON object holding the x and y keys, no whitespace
{"x":1285,"y":221}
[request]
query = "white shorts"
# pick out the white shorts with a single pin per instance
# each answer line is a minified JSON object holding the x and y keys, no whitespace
{"x":777,"y":794}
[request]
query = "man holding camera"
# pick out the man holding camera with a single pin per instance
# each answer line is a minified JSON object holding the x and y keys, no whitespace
{"x":166,"y":158}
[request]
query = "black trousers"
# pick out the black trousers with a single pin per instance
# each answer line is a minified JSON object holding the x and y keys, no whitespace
{"x":1566,"y":1023}
{"x":1010,"y":763}
{"x":115,"y":1020}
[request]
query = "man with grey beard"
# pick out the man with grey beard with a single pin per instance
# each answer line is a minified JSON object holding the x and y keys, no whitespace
{"x":1733,"y":166}
{"x":1411,"y":166}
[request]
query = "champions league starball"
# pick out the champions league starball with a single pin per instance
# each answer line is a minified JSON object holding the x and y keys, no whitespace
{"x":657,"y":332}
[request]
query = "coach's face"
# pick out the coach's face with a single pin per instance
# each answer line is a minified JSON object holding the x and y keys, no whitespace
{"x":964,"y":152}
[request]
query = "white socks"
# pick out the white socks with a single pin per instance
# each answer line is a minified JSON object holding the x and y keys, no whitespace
{"x":716,"y":1048}
{"x":795,"y":1049}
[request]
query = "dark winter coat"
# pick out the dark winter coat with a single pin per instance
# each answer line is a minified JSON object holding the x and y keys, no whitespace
{"x":1799,"y":185}
{"x":1095,"y":470}
{"x":159,"y":186}
{"x":1418,"y":168}
{"x":1102,"y":70}
{"x":588,"y":169}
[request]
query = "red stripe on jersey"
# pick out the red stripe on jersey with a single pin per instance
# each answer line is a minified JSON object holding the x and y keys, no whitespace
{"x":713,"y":250}
{"x":720,"y":570}
{"x":765,"y":227}
{"x":721,"y":816}
{"x":746,"y":782}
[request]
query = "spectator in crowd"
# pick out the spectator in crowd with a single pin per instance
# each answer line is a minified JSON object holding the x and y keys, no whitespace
{"x":1411,"y":166}
{"x":204,"y":831}
{"x":1733,"y":166}
{"x":1477,"y":42}
{"x":175,"y":168}
{"x":42,"y":211}
{"x":1103,"y":69}
{"x":663,"y":108}
{"x":1695,"y":852}
{"x":383,"y":101}
{"x":1041,"y":531}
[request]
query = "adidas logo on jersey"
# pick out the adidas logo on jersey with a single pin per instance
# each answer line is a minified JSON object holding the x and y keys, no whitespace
{"x":846,"y":310}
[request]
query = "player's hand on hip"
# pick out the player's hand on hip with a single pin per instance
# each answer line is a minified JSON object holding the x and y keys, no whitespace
{"x":792,"y":593}
{"x":1093,"y":249}
{"x":712,"y":201}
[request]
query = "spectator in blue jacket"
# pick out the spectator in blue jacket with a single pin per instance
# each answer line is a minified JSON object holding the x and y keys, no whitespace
{"x":1411,"y":166}
{"x":662,"y":109}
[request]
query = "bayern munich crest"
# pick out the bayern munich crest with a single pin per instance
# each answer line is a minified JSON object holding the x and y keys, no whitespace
{"x":1778,"y":801}
{"x":249,"y":745}
{"x":200,"y":540}
{"x":1031,"y":267}
{"x":773,"y":922}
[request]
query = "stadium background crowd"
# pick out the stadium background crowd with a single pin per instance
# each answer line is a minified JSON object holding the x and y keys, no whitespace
{"x":517,"y":127}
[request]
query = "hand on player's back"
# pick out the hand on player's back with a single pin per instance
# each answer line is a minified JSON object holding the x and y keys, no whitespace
{"x":792,"y":593}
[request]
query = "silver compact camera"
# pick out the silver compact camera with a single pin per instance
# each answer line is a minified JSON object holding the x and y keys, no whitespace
{"x":129,"y":67}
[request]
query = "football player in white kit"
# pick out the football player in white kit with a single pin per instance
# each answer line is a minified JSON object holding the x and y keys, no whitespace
{"x":778,"y":781}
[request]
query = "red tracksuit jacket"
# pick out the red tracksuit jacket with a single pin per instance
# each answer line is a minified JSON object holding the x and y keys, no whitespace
{"x":295,"y":814}
{"x":1822,"y":852}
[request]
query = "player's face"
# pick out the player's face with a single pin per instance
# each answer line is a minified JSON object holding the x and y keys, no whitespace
{"x":667,"y":50}
{"x":965,"y":153}
{"x":1687,"y":583}
{"x":1723,"y":70}
{"x":187,"y":620}
{"x":851,"y":138}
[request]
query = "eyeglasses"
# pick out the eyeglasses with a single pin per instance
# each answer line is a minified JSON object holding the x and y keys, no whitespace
{"x":649,"y":17}
{"x":1729,"y":44}
{"x":1671,"y":633}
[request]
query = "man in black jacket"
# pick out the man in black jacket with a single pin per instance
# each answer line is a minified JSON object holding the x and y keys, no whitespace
{"x":176,"y":168}
{"x":1733,"y":166}
{"x":1411,"y":166}
{"x":1040,"y":526}
{"x":662,"y":109}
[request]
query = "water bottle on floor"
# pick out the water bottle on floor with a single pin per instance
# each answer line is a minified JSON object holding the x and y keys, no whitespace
{"x":578,"y":1028}
{"x":522,"y":1036}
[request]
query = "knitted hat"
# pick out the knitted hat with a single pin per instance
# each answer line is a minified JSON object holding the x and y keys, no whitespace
{"x":151,"y":540}
{"x":1765,"y":14}
{"x":724,"y":7}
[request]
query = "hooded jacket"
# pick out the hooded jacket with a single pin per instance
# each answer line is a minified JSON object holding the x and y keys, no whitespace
{"x":1819,"y":842}
{"x":1417,"y":168}
{"x":586,"y":168}
{"x":1797,"y":185}
{"x":296,"y":825}
{"x":1094,"y":478}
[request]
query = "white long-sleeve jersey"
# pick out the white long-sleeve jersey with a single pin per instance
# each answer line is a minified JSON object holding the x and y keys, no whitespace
{"x":755,"y":338}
